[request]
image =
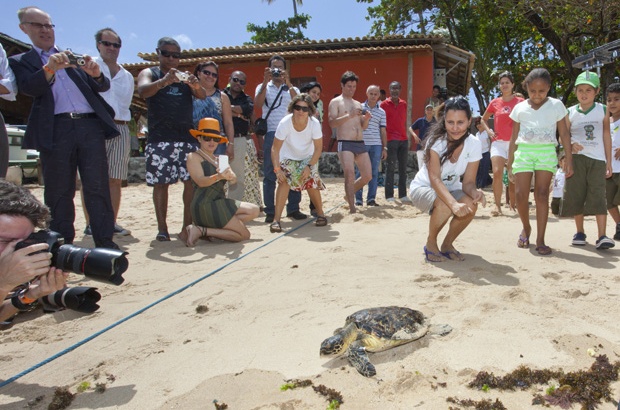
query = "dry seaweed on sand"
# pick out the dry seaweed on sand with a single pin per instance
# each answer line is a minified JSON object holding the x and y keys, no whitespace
{"x":220,"y":406}
{"x":586,"y":387}
{"x":331,"y":394}
{"x":61,"y":400}
{"x":484,"y":404}
{"x":295,"y":383}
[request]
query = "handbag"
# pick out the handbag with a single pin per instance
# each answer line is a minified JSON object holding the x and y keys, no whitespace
{"x":260,"y":125}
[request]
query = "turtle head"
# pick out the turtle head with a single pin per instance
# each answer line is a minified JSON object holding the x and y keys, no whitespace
{"x":340,"y":341}
{"x":334,"y":345}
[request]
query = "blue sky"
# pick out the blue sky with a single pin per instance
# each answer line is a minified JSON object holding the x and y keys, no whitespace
{"x":204,"y":24}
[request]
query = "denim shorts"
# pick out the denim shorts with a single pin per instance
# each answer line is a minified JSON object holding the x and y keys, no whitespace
{"x":424,"y":198}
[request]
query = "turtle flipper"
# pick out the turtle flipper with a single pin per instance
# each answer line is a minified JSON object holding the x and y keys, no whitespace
{"x":359,"y":359}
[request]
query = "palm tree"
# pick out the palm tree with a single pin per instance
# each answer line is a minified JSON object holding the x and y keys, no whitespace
{"x":295,"y":3}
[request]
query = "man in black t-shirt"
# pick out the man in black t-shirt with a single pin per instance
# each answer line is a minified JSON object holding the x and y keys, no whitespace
{"x":169,"y":102}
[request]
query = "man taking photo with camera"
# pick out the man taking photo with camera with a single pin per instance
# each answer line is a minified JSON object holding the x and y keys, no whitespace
{"x":20,"y":214}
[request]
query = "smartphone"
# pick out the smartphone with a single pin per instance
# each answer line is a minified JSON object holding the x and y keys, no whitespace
{"x":223,"y":162}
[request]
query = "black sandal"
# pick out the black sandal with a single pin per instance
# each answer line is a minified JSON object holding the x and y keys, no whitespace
{"x":321,"y":221}
{"x":275,"y":227}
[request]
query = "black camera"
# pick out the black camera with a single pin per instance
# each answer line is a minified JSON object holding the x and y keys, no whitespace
{"x":276,"y":72}
{"x":443,"y":93}
{"x":364,"y":111}
{"x":76,"y":59}
{"x":105,"y":265}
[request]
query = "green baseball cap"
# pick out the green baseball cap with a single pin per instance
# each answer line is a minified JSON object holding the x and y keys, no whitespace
{"x":588,"y":77}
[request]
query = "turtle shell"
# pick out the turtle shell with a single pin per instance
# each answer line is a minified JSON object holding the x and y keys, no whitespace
{"x":390,"y":323}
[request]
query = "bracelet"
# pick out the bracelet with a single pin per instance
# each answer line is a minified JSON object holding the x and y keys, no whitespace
{"x":385,"y":148}
{"x":49,"y":70}
{"x":275,"y":170}
{"x":23,"y":303}
{"x":99,"y":77}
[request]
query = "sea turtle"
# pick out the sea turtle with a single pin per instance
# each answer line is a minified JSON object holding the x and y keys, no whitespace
{"x":375,"y":330}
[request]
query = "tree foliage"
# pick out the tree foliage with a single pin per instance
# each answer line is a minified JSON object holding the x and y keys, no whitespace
{"x":515,"y":36}
{"x":283,"y":30}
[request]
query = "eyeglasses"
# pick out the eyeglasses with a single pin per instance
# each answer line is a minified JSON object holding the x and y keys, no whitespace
{"x":172,"y":54}
{"x":108,"y":44}
{"x":209,"y":73}
{"x":209,"y":139}
{"x":237,"y":80}
{"x":40,"y":26}
{"x":301,"y":108}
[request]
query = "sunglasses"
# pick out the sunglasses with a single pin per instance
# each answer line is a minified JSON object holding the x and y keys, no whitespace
{"x":300,"y":108}
{"x":209,"y":139}
{"x":172,"y":54}
{"x":40,"y":26}
{"x":108,"y":44}
{"x":209,"y":73}
{"x":236,"y":80}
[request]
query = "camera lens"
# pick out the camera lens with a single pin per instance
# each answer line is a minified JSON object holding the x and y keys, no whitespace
{"x":106,"y":265}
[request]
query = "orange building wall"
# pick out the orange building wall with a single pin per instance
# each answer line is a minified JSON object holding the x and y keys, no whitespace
{"x":379,"y":70}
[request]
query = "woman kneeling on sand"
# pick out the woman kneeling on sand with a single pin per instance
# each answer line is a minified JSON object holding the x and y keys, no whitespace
{"x":295,"y":154}
{"x":213,"y":214}
{"x":451,"y":152}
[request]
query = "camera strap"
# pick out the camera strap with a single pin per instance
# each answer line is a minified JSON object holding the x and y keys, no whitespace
{"x":274,"y":102}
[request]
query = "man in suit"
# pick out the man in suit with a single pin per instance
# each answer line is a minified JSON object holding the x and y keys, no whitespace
{"x":68,"y":125}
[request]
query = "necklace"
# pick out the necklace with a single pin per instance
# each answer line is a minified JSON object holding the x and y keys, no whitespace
{"x":207,"y":156}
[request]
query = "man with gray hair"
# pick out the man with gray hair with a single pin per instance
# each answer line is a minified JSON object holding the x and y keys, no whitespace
{"x":375,"y":139}
{"x":68,"y":124}
{"x":169,"y":102}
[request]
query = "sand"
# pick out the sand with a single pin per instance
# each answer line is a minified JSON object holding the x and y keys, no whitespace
{"x":266,"y":305}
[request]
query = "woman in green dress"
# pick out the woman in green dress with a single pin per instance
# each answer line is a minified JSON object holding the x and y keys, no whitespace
{"x":213,"y":214}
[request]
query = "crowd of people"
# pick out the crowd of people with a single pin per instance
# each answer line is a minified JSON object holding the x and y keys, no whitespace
{"x":201,"y":135}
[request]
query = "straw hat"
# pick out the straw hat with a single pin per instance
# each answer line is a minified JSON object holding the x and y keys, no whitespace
{"x":208,"y":127}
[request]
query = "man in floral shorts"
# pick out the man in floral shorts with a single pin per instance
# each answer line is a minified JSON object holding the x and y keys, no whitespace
{"x":169,"y":102}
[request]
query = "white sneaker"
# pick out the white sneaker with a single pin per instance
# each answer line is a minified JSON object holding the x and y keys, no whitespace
{"x":119,"y":230}
{"x":405,"y":199}
{"x":391,"y":200}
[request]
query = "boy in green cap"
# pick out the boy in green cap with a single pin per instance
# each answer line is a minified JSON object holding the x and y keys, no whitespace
{"x":584,"y":192}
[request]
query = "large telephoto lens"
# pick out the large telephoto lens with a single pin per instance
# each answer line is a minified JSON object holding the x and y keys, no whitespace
{"x":105,"y":265}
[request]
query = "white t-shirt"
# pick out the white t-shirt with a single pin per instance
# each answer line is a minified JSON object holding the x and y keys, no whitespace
{"x":121,"y":91}
{"x":450,"y":172}
{"x":615,"y":144}
{"x":586,"y":129}
{"x":298,"y":145}
{"x":485,"y":142}
{"x":537,"y":127}
{"x":280,"y":105}
{"x":558,"y":183}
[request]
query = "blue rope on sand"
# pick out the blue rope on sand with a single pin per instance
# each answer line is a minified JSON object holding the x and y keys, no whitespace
{"x":147,"y":307}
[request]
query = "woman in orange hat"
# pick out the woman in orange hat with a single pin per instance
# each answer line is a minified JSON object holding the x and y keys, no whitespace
{"x":213,"y":214}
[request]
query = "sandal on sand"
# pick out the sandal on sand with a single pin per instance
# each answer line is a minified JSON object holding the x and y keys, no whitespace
{"x":453,"y":255}
{"x":193,"y":234}
{"x":321,"y":221}
{"x":543,"y":250}
{"x":524,"y":241}
{"x":162,"y":237}
{"x":275,"y":227}
{"x":432,"y":256}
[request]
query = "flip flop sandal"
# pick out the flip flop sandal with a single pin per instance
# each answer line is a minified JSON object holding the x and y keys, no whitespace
{"x":162,"y":237}
{"x":453,"y":255}
{"x":432,"y":254}
{"x":543,"y":250}
{"x":275,"y":227}
{"x":523,"y":242}
{"x":321,"y":221}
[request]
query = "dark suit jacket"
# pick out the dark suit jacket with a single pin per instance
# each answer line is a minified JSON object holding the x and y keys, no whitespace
{"x":31,"y":81}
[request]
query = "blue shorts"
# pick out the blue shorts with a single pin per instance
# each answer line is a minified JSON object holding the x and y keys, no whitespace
{"x":356,"y":147}
{"x":530,"y":158}
{"x":166,"y":162}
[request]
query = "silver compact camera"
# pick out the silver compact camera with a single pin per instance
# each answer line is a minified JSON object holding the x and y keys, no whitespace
{"x":182,"y":76}
{"x":76,"y":59}
{"x":276,"y":72}
{"x":364,"y":111}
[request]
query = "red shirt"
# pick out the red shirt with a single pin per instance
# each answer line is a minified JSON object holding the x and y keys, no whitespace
{"x":396,"y":119}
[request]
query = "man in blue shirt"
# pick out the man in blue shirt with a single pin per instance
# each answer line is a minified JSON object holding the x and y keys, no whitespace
{"x":422,"y":125}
